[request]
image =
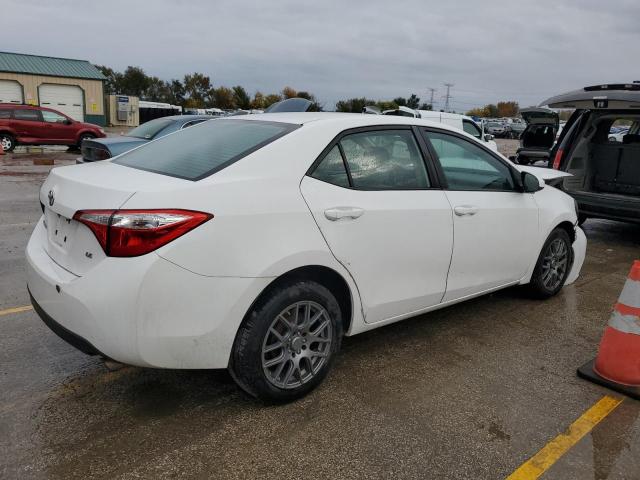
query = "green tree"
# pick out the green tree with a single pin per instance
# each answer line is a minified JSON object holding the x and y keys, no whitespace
{"x":241,"y":98}
{"x":112,"y":83}
{"x":176,"y":92}
{"x":157,"y":91}
{"x":224,"y":98}
{"x":426,"y":106}
{"x":508,"y":109}
{"x":288,"y":92}
{"x":258,"y":101}
{"x":353,"y":105}
{"x":197,"y":89}
{"x":413,"y":101}
{"x":271,"y":99}
{"x":315,"y":105}
{"x":400,"y":101}
{"x":134,"y":82}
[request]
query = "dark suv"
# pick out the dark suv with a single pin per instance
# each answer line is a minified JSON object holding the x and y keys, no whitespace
{"x":29,"y":125}
{"x":605,"y":177}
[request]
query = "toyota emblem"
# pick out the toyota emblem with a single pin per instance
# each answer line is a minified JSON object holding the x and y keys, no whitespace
{"x":51,"y":198}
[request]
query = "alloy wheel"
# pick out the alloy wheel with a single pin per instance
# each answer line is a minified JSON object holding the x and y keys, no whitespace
{"x":554,"y":264}
{"x":297,"y":345}
{"x":6,"y":142}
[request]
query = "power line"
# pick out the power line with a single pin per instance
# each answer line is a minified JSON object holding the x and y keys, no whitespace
{"x":447,"y":96}
{"x":432,"y":90}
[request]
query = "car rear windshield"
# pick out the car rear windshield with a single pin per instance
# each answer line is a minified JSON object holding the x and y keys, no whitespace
{"x":150,"y":129}
{"x":204,"y":149}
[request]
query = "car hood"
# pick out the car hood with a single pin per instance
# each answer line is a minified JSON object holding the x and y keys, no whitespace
{"x":540,"y":116}
{"x":120,"y":144}
{"x":543,"y":172}
{"x":613,"y":96}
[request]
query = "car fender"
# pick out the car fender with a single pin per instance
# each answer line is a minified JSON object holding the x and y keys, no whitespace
{"x":321,"y":258}
{"x":554,"y":208}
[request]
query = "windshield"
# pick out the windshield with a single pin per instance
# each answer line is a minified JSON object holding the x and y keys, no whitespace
{"x":204,"y":149}
{"x":150,"y":129}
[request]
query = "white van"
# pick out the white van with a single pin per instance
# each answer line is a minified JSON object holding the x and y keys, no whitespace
{"x":461,"y":122}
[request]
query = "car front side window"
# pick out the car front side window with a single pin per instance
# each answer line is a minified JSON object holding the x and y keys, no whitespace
{"x":52,"y":117}
{"x":469,"y":167}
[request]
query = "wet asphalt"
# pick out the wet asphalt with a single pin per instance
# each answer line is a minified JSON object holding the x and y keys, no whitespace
{"x":467,"y":392}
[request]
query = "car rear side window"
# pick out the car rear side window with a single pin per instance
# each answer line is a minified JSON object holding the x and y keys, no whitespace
{"x":201,"y":150}
{"x":31,"y":115}
{"x":331,"y":169}
{"x":385,"y":160}
{"x":5,"y":113}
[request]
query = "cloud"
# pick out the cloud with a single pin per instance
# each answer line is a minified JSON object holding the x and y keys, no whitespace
{"x":490,"y":51}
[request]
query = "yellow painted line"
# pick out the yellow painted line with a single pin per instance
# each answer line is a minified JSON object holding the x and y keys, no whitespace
{"x":552,"y":451}
{"x":9,"y":311}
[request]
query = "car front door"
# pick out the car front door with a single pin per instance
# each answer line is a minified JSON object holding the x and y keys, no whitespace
{"x":384,"y":218}
{"x":28,"y":125}
{"x":59,"y":128}
{"x":495,"y":223}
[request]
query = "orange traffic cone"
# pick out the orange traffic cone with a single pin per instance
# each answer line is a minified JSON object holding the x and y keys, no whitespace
{"x":617,"y":365}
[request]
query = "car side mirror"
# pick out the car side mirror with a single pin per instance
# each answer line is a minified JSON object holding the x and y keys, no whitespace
{"x":67,"y":122}
{"x":488,"y":137}
{"x":531,"y":183}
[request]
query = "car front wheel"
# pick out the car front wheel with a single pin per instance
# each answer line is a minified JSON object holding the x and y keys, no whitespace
{"x":7,"y":141}
{"x":553,"y":266}
{"x":287,"y":343}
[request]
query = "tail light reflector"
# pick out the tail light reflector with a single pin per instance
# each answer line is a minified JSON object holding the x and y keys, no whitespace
{"x":130,"y":233}
{"x":557,"y":160}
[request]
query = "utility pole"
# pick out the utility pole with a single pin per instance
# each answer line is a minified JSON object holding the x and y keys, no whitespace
{"x":447,"y":96}
{"x":432,"y":90}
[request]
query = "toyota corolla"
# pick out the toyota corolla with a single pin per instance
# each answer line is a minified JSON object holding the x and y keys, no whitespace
{"x":255,"y":243}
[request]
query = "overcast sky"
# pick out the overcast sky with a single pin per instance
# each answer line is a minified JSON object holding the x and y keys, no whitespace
{"x":490,"y":50}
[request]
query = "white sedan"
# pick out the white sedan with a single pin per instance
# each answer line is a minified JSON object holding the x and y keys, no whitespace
{"x":255,"y":243}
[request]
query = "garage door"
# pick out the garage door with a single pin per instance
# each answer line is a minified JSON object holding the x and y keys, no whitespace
{"x":10,"y":91}
{"x":67,"y":99}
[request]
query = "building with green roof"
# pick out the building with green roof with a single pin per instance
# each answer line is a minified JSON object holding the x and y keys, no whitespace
{"x":73,"y":87}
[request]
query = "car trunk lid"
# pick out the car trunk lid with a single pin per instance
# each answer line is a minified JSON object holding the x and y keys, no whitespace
{"x":539,"y":116}
{"x":97,"y":186}
{"x":597,"y":97}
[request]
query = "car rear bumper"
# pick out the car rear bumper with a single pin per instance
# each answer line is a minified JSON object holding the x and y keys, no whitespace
{"x":143,"y":311}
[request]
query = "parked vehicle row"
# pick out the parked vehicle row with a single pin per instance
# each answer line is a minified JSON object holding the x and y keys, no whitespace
{"x":32,"y":125}
{"x":255,"y":243}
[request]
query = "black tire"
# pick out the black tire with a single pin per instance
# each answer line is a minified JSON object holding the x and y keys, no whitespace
{"x":8,"y":142}
{"x":537,"y":286}
{"x":83,"y":137}
{"x":246,"y":365}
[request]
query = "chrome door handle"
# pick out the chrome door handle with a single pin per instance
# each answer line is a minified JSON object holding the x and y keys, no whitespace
{"x":463,"y":210}
{"x":337,"y":213}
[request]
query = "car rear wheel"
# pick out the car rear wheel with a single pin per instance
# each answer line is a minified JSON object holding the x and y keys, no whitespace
{"x":8,"y":142}
{"x":553,"y":266}
{"x":287,"y":343}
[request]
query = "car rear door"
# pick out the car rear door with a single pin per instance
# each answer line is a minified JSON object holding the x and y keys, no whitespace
{"x":495,"y":223}
{"x":379,"y":207}
{"x":28,"y":125}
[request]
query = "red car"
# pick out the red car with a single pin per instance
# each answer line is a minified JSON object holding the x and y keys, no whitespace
{"x":29,"y":125}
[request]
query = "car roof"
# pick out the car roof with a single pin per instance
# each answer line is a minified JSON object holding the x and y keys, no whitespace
{"x":186,"y":117}
{"x":346,"y":120}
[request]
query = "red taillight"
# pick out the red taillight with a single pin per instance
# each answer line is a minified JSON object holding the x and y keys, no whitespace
{"x":557,"y":160}
{"x":130,"y":233}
